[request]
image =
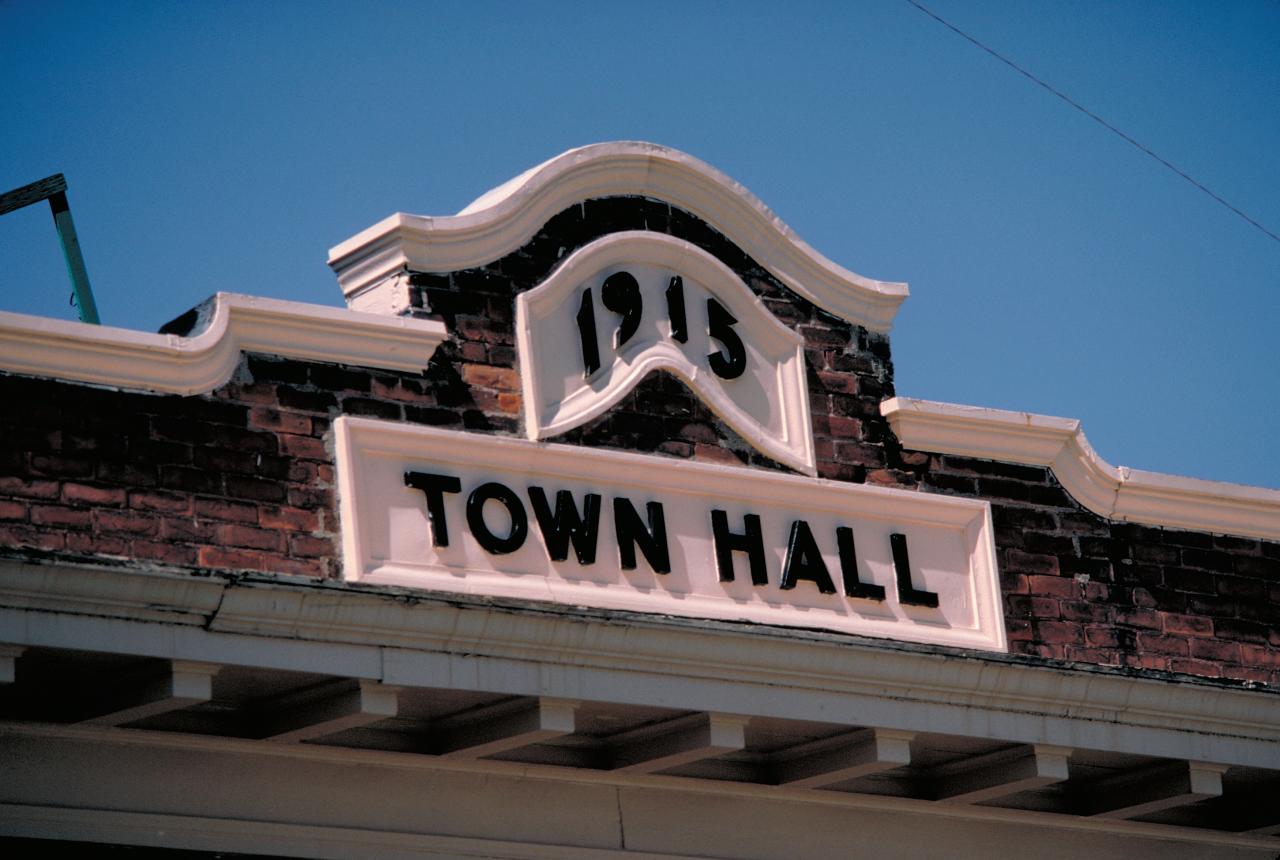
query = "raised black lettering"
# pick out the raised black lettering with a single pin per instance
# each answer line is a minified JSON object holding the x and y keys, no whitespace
{"x":854,"y":587}
{"x":804,"y":561}
{"x":435,"y":486}
{"x":720,"y":326}
{"x":503,"y":495}
{"x":587,"y":335}
{"x":565,"y":525}
{"x":727,"y":543}
{"x":907,"y":593}
{"x":675,"y":310}
{"x":632,"y":532}
{"x":620,"y":293}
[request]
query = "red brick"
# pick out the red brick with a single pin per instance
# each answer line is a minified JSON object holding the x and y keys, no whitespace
{"x":248,"y":537}
{"x":859,"y":453}
{"x":266,"y":418}
{"x":156,"y":500}
{"x":125,"y":522}
{"x":1031,"y":606}
{"x":48,"y":515}
{"x":1187,"y":625}
{"x":1106,"y":637}
{"x":846,"y":383}
{"x":510,"y":403}
{"x":255,"y":392}
{"x":1188,"y":666}
{"x":1053,"y":586}
{"x":491,"y":377}
{"x":305,"y":546}
{"x":28,"y":488}
{"x":221,"y":509}
{"x":97,"y":544}
{"x":1059,"y":632}
{"x":1079,"y":610}
{"x":1019,"y":629}
{"x":289,"y":519}
{"x":1147,"y":661}
{"x":1013,"y":583}
{"x":89,"y":494}
{"x":314,"y":567}
{"x":890,"y":478}
{"x":163,"y":552}
{"x":1247,"y":673}
{"x":187,"y":530}
{"x":20,"y":534}
{"x":1151,"y":643}
{"x":1260,"y":655}
{"x":841,"y":427}
{"x":233,"y":559}
{"x":1097,"y":656}
{"x":12,"y":510}
{"x":303,"y":446}
{"x":676,"y":449}
{"x":1215,"y":650}
{"x":1139,"y":618}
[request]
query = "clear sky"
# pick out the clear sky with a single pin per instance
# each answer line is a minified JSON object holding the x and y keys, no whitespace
{"x":1053,"y":267}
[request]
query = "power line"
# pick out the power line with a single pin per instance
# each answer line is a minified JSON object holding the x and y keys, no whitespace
{"x":1084,"y":110}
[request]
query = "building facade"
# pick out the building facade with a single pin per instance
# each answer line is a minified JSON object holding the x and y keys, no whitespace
{"x":595,"y":527}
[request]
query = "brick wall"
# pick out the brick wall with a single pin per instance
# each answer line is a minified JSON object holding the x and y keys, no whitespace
{"x":242,"y":478}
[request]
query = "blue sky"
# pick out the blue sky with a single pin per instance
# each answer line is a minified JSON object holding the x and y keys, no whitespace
{"x":1053,"y":267}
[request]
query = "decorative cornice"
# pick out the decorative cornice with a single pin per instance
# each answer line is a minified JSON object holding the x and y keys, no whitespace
{"x":507,"y":217}
{"x":404,"y":637}
{"x":1114,"y":492}
{"x":229,"y":324}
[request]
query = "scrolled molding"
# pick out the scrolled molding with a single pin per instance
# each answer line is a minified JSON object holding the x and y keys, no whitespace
{"x":1114,"y":492}
{"x":504,"y":219}
{"x":229,"y":324}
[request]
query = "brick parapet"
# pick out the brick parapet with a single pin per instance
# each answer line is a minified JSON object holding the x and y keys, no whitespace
{"x":243,"y":478}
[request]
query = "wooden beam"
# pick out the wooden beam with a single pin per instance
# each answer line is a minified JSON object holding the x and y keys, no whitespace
{"x":179,"y":685}
{"x":331,"y":709}
{"x":1132,"y":795}
{"x":486,"y":732}
{"x":859,"y":754}
{"x":9,"y":655}
{"x":679,"y":742}
{"x":1001,"y":774}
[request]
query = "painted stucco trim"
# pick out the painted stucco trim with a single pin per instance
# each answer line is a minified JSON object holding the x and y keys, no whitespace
{"x":233,"y":324}
{"x":504,"y":219}
{"x":1114,"y":492}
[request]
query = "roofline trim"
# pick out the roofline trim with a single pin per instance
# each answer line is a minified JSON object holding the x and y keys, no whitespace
{"x":1114,"y":492}
{"x":232,"y":324}
{"x":507,"y":217}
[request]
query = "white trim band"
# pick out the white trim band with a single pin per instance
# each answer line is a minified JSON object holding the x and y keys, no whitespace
{"x":1114,"y":492}
{"x":171,"y":364}
{"x":507,"y":217}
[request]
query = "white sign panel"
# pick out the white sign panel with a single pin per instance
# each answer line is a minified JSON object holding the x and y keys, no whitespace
{"x":472,"y":514}
{"x":633,"y":302}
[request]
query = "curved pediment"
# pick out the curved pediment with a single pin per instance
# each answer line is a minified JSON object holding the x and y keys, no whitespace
{"x":507,"y":217}
{"x":634,"y":302}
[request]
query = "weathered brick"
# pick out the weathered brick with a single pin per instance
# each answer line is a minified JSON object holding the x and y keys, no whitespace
{"x":125,"y":522}
{"x":158,"y":500}
{"x":302,"y":446}
{"x":28,"y":488}
{"x":268,"y":418}
{"x":229,"y":559}
{"x":52,"y":515}
{"x":248,"y":537}
{"x":289,"y":519}
{"x":1187,"y":625}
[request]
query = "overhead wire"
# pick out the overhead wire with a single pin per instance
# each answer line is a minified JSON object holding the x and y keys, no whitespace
{"x":1093,"y":116}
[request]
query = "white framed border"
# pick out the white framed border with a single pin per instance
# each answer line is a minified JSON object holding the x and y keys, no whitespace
{"x":790,"y":441}
{"x":961,"y":528}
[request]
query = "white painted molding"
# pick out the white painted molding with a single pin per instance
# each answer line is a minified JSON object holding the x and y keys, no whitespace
{"x":387,"y":536}
{"x":1115,"y":492}
{"x":232,"y":324}
{"x":379,"y":633}
{"x":768,"y":405}
{"x":507,"y":217}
